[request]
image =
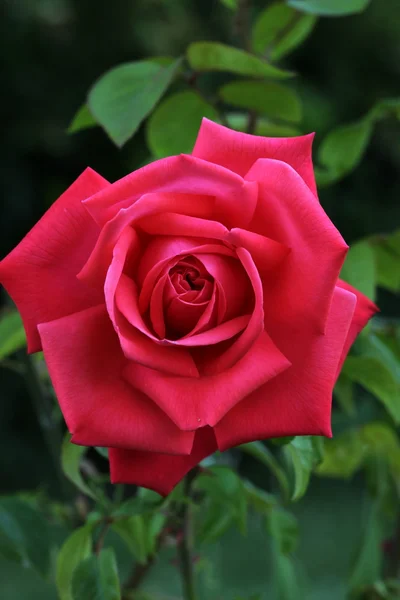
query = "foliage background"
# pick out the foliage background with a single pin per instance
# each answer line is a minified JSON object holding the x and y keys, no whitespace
{"x":52,"y":52}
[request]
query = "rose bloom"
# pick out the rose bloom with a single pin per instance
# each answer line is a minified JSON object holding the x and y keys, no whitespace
{"x":191,"y":306}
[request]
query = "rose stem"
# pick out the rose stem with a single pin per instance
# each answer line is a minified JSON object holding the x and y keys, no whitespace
{"x":185,"y":542}
{"x":242,"y":24}
{"x":98,"y":546}
{"x":44,"y":408}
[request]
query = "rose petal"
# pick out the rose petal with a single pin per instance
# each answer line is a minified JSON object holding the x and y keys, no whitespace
{"x":85,"y":363}
{"x":160,"y":255}
{"x":163,"y":249}
{"x":231,"y":278}
{"x":297,"y":402}
{"x":157,"y":307}
{"x":267,"y":254}
{"x":138,"y":342}
{"x":239,"y":151}
{"x":234,"y":201}
{"x":365,"y":310}
{"x":159,"y":472}
{"x":193,"y":403}
{"x":207,"y":319}
{"x":127,"y":304}
{"x":254,"y":326}
{"x":287,"y":212}
{"x":127,"y":246}
{"x":182,"y":225}
{"x":182,"y":316}
{"x":40,"y":273}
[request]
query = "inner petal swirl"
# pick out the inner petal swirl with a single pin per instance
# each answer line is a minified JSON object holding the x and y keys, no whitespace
{"x":181,"y":298}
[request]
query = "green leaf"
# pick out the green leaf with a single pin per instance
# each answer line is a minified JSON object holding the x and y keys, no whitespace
{"x":137,"y":506}
{"x":71,"y":455}
{"x":284,"y":528}
{"x":279,"y":29}
{"x":133,"y":532}
{"x":281,"y":441}
{"x":24,"y":534}
{"x":382,"y":442}
{"x":359,"y":268}
{"x":261,"y":500}
{"x":343,"y":456}
{"x":217,"y":520}
{"x":124,"y":97}
{"x":212,"y":56}
{"x":387,"y":256}
{"x":393,"y":240}
{"x":174,"y":125}
{"x":225,"y":488}
{"x":374,"y":347}
{"x":83,"y":119}
{"x":285,"y":576}
{"x":75,"y":550}
{"x":343,"y":148}
{"x":12,"y":333}
{"x":346,"y":453}
{"x":102,"y":451}
{"x":267,"y":98}
{"x":263,"y":127}
{"x":232,"y":4}
{"x":154,"y":525}
{"x":305,"y":453}
{"x":368,"y":565}
{"x":343,"y":392}
{"x":333,"y":8}
{"x":384,"y":108}
{"x":377,"y":378}
{"x":96,"y":578}
{"x":387,"y":268}
{"x":265,"y":456}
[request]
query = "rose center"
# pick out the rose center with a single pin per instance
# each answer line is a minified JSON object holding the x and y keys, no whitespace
{"x":193,"y":279}
{"x":189,"y":275}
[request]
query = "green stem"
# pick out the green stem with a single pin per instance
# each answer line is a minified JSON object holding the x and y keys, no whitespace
{"x":242,"y":24}
{"x":185,"y":543}
{"x":44,"y":408}
{"x":141,"y":571}
{"x":102,"y":535}
{"x":252,"y":121}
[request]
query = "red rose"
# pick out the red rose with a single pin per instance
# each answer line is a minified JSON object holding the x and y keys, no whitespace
{"x":191,"y":306}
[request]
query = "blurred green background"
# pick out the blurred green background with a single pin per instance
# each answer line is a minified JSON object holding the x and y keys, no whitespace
{"x":52,"y":52}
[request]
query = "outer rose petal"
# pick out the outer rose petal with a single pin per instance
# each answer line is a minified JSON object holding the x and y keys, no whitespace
{"x":85,"y":363}
{"x":40,"y":273}
{"x":193,"y":403}
{"x":234,"y":202}
{"x":238,"y":151}
{"x":297,"y":402}
{"x":301,"y":290}
{"x":159,"y":472}
{"x":365,"y":310}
